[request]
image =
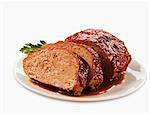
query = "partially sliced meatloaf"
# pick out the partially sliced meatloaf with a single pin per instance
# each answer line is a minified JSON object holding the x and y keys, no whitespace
{"x":59,"y":68}
{"x":114,"y":55}
{"x":90,"y":56}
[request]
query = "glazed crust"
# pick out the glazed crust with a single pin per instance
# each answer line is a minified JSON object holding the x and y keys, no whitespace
{"x":115,"y":56}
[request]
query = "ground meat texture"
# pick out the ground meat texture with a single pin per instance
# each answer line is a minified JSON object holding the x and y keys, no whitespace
{"x":114,"y":55}
{"x":59,"y":68}
{"x":90,"y":56}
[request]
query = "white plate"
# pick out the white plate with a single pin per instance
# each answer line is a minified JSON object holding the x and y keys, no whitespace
{"x":134,"y":79}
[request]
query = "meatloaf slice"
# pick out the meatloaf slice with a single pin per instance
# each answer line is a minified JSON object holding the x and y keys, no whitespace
{"x":59,"y":68}
{"x":115,"y":56}
{"x":90,"y":56}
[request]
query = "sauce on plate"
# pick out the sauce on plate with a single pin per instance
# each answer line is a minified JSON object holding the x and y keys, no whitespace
{"x":104,"y":87}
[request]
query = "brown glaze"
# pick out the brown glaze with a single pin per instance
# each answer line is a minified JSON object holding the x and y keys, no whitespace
{"x":102,"y":89}
{"x":83,"y":72}
{"x":113,"y":52}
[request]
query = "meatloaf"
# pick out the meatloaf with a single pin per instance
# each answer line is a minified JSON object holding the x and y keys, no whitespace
{"x":114,"y":55}
{"x":90,"y":56}
{"x":59,"y":68}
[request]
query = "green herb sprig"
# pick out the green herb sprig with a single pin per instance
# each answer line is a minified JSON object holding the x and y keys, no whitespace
{"x":29,"y":47}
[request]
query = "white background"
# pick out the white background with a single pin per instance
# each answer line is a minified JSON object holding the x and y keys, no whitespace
{"x":53,"y":21}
